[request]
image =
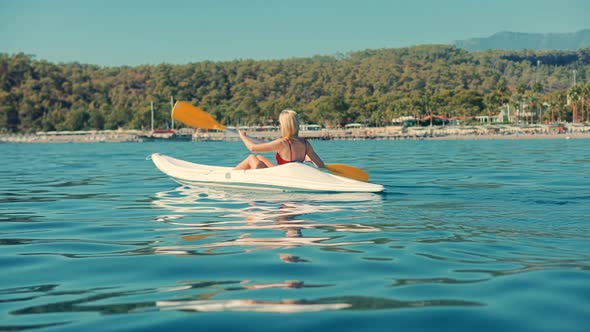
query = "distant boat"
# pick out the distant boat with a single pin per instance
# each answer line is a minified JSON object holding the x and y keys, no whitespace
{"x":163,"y":134}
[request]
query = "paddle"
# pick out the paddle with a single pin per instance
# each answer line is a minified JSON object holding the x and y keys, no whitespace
{"x":196,"y":117}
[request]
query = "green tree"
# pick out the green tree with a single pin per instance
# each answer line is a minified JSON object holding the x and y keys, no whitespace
{"x":585,"y":101}
{"x":574,"y":97}
{"x":328,"y":110}
{"x":367,"y":86}
{"x":76,"y":120}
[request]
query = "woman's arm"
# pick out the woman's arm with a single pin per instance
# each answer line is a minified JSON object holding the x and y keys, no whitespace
{"x":262,"y":147}
{"x":313,"y":157}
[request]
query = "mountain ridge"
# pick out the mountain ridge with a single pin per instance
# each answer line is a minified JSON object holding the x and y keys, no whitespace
{"x":508,"y":40}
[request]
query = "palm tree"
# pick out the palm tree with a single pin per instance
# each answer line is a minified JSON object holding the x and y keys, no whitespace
{"x":418,"y":105}
{"x":585,"y":94}
{"x":536,"y":96}
{"x":491,"y":102}
{"x":574,"y":94}
{"x":497,"y":98}
{"x":550,"y":104}
{"x":561,"y":103}
{"x":519,"y":99}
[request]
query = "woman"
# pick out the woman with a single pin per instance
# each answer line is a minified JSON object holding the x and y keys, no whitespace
{"x":289,"y":148}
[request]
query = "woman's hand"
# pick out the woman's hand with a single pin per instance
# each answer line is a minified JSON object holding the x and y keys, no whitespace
{"x":247,"y":141}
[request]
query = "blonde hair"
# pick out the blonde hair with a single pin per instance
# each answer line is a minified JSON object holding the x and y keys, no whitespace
{"x":289,"y":124}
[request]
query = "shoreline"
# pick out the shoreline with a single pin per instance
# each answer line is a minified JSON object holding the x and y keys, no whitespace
{"x":513,"y":137}
{"x":373,"y":133}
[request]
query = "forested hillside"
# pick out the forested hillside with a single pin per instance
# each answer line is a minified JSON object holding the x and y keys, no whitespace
{"x":371,"y":86}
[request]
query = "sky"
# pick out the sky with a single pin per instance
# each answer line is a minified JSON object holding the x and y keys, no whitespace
{"x":136,"y":32}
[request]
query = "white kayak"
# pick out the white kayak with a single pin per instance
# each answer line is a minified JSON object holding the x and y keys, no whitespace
{"x":291,"y":177}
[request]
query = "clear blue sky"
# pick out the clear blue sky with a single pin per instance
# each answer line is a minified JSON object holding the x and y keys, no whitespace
{"x":134,"y":32}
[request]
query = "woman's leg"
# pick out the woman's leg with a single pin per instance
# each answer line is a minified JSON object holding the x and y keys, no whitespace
{"x":252,"y":162}
{"x":265,"y":160}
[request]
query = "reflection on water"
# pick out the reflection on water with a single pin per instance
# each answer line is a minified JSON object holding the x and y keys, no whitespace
{"x":285,"y":306}
{"x":221,"y":218}
{"x":298,"y":306}
{"x":186,"y":199}
{"x":245,"y":213}
{"x":90,"y":300}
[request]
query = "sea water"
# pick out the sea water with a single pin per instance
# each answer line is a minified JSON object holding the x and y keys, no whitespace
{"x":484,"y":235}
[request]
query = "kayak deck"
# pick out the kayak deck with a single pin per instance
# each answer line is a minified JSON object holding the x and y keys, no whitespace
{"x":287,"y":177}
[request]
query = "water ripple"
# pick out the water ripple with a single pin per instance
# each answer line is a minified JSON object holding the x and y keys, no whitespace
{"x":468,"y":235}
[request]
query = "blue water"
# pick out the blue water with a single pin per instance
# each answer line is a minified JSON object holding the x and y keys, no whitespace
{"x":470,"y":235}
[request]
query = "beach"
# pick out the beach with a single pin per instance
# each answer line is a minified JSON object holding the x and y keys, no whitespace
{"x":484,"y":132}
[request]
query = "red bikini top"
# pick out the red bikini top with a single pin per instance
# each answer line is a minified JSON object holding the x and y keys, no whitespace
{"x":281,"y":161}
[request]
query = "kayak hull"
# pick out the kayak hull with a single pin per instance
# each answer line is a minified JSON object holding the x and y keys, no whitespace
{"x":287,"y":177}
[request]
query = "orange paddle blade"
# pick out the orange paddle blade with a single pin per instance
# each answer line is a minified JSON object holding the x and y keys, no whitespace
{"x":348,"y":172}
{"x":194,"y":116}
